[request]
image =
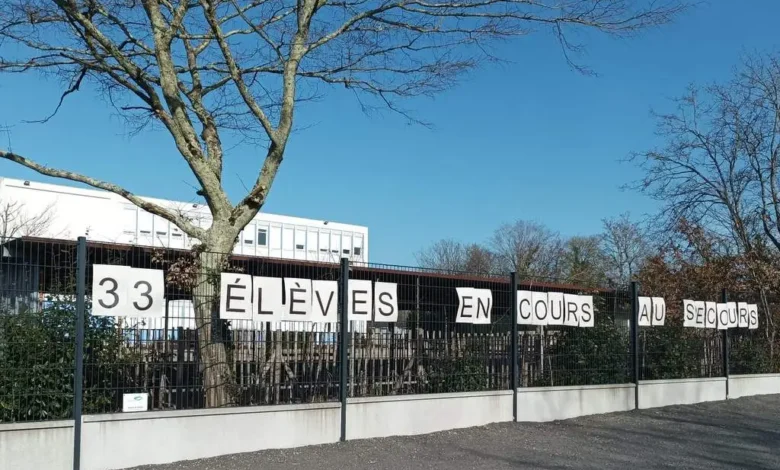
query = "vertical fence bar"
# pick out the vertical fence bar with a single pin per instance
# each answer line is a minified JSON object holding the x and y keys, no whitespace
{"x":635,"y":338}
{"x":725,"y":298}
{"x":343,"y":343}
{"x":513,"y":319}
{"x":78,"y":375}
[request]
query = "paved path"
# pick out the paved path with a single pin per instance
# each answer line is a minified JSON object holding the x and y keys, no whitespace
{"x":738,"y":434}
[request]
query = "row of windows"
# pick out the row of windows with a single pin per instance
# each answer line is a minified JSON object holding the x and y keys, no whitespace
{"x":262,"y":240}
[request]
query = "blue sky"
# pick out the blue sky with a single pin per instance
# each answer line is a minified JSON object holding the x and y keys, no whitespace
{"x":531,"y":139}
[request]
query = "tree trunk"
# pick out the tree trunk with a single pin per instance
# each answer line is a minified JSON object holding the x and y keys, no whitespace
{"x":218,"y":378}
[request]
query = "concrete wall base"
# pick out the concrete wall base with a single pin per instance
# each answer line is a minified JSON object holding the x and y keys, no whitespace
{"x":128,"y":440}
{"x":749,"y":385}
{"x":657,"y":393}
{"x":37,"y":446}
{"x":538,"y":404}
{"x":422,"y":414}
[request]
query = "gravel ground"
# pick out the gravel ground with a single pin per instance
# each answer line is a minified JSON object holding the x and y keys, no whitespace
{"x":737,"y":434}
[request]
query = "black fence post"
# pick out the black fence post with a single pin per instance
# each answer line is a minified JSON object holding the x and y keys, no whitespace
{"x":725,"y":298}
{"x":513,"y":319}
{"x":343,"y":343}
{"x":78,"y":375}
{"x":635,"y":338}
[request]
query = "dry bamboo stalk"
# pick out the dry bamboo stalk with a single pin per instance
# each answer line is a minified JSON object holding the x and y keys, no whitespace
{"x":277,"y":368}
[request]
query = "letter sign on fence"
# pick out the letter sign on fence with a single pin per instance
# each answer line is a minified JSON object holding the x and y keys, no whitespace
{"x":325,"y":301}
{"x":484,"y":306}
{"x":753,"y":316}
{"x":474,"y":305}
{"x":297,"y":294}
{"x":540,"y":308}
{"x":711,"y":316}
{"x":689,"y":313}
{"x":360,"y":300}
{"x":701,"y":314}
{"x":385,"y":302}
{"x":586,"y":311}
{"x":467,"y":305}
{"x":556,"y":307}
{"x":572,"y":317}
{"x":525,"y":310}
{"x":123,"y":291}
{"x":235,"y":296}
{"x":659,"y":311}
{"x":267,"y":303}
{"x":723,"y":316}
{"x":742,"y":313}
{"x":733,"y":315}
{"x":645,"y":311}
{"x":108,"y":290}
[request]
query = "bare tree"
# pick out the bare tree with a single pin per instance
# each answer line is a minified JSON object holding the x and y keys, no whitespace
{"x":204,"y":68}
{"x":719,"y":168}
{"x":16,"y":221}
{"x":584,"y":262}
{"x":454,"y":257}
{"x":529,"y":249}
{"x":625,"y":247}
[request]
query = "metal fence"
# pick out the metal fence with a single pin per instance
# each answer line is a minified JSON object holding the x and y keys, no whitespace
{"x":193,"y":359}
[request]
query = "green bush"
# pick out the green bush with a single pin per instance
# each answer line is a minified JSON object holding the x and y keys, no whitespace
{"x":37,"y":357}
{"x":587,"y":356}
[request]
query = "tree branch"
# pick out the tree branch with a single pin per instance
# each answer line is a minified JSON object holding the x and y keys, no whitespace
{"x":181,"y":222}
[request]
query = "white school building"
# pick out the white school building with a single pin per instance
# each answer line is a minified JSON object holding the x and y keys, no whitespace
{"x":106,"y":217}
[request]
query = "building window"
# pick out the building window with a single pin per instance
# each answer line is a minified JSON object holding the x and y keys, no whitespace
{"x":248,"y":242}
{"x":146,"y":232}
{"x":299,"y":247}
{"x":176,"y":235}
{"x":346,"y":252}
{"x":262,"y":237}
{"x":357,"y":251}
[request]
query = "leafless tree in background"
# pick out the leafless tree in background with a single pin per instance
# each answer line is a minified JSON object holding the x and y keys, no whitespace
{"x":719,"y":167}
{"x":625,"y":246}
{"x":204,"y":68}
{"x":584,"y":262}
{"x":453,"y":257}
{"x":16,"y":221}
{"x":530,"y":249}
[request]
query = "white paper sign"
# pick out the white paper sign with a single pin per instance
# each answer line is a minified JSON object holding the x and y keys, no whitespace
{"x":467,"y":305}
{"x":743,"y":319}
{"x":146,"y":293}
{"x":689,"y":314}
{"x":587,"y":313}
{"x":723,"y":316}
{"x":109,"y":290}
{"x":645,"y":311}
{"x":325,"y":305}
{"x":360,"y":301}
{"x":659,"y":311}
{"x":235,"y":296}
{"x":385,"y":302}
{"x":556,"y":308}
{"x":135,"y":402}
{"x":540,"y":308}
{"x":267,"y":303}
{"x":297,"y":295}
{"x":484,"y":306}
{"x":733,"y":315}
{"x":525,"y":307}
{"x":572,"y":317}
{"x":710,"y":315}
{"x":753,"y":316}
